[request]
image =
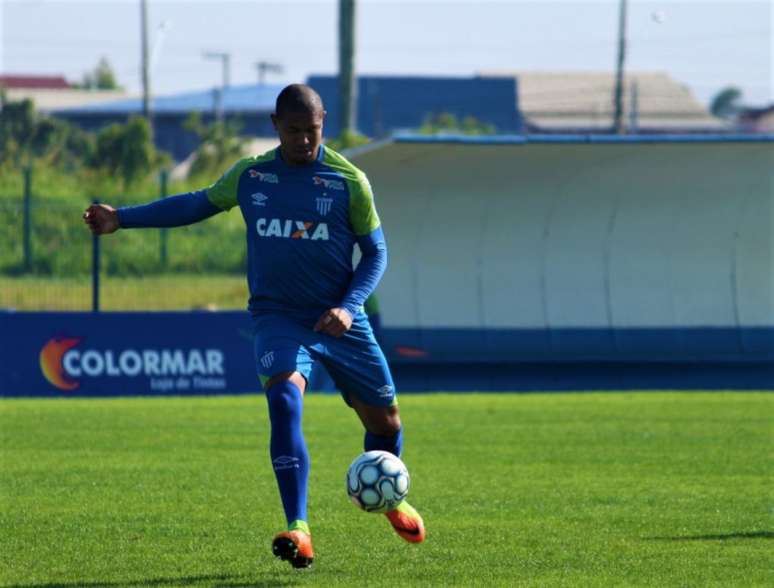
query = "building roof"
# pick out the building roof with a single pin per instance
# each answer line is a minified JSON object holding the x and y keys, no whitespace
{"x":561,"y":100}
{"x":47,"y":100}
{"x":757,"y":120}
{"x":247,"y":98}
{"x":30,"y":82}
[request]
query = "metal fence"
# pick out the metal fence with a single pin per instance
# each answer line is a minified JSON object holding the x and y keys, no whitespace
{"x":50,"y":261}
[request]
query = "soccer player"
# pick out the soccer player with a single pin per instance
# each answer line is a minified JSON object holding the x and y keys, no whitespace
{"x":305,"y":206}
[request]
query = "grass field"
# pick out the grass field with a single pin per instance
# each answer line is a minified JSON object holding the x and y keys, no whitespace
{"x":640,"y":489}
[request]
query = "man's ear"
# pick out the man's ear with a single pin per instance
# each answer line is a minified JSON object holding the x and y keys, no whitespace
{"x":274,"y":121}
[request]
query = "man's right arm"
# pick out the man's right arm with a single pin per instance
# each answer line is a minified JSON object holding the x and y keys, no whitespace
{"x":174,"y":211}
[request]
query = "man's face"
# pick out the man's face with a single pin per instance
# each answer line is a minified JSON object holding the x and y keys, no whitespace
{"x":300,"y":135}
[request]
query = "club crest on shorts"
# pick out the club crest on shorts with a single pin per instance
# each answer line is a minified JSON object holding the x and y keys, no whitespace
{"x":324,"y":205}
{"x":267,"y":359}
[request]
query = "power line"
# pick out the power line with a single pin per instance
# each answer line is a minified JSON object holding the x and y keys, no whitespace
{"x":264,"y":67}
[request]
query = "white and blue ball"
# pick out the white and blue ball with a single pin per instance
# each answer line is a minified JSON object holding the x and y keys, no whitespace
{"x":377,"y":481}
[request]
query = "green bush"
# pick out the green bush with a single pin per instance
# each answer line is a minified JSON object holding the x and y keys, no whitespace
{"x":61,"y":245}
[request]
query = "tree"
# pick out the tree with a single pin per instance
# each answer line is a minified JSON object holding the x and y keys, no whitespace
{"x":219,"y":144}
{"x":347,"y":140}
{"x":446,"y":122}
{"x":26,"y":135}
{"x":126,"y":151}
{"x":17,"y":129}
{"x":101,"y":78}
{"x":725,"y":104}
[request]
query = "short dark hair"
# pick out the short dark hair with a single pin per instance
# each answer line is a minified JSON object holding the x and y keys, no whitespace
{"x":298,"y":98}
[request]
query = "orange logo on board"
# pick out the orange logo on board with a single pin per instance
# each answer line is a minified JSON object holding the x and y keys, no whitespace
{"x":51,"y":365}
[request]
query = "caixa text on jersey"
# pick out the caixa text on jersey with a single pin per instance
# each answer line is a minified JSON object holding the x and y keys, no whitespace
{"x":291,"y":229}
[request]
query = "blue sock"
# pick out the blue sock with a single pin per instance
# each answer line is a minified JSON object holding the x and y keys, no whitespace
{"x":288,"y":449}
{"x":392,"y":443}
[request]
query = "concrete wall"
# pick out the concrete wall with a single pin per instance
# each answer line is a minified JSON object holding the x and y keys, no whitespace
{"x":602,"y":239}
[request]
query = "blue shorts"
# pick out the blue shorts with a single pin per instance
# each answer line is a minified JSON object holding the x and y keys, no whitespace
{"x":354,"y":361}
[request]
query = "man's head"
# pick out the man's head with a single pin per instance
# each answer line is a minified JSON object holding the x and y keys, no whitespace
{"x":298,"y":118}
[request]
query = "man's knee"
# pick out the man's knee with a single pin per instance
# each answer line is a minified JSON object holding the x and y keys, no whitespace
{"x":293,"y":377}
{"x":385,"y":422}
{"x":283,"y":395}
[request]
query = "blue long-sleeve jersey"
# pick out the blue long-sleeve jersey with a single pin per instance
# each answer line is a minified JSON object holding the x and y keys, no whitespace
{"x":302,"y":224}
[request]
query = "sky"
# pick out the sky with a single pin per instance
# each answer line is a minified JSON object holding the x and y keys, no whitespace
{"x":704,"y":45}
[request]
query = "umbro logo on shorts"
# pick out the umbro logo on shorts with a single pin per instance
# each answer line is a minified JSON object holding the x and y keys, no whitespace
{"x":259,"y":199}
{"x":385,"y":391}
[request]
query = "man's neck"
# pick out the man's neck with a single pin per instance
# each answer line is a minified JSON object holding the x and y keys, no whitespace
{"x":292,"y":163}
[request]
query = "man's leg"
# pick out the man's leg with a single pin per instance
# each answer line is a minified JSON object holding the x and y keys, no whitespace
{"x":384,"y":431}
{"x":290,"y":459}
{"x":289,"y":456}
{"x":382,"y":425}
{"x":359,"y":368}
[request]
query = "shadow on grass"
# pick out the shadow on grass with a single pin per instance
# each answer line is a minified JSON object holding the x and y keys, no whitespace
{"x":723,"y":537}
{"x":221,"y":581}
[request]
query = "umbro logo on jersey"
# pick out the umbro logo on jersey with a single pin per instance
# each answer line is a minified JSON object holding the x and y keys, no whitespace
{"x":291,"y":229}
{"x":259,"y":199}
{"x":332,"y":184}
{"x":263,"y":176}
{"x":324,"y":205}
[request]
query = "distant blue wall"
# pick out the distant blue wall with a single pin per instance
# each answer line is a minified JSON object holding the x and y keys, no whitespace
{"x":63,"y":354}
{"x":387,"y":104}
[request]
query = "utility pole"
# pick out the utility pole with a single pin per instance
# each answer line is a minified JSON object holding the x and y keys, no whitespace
{"x":618,"y":125}
{"x":219,"y":94}
{"x":145,"y":74}
{"x":347,"y":81}
{"x":225,"y":61}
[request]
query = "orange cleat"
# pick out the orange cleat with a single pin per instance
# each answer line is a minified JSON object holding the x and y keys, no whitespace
{"x":407,"y":523}
{"x":295,"y":547}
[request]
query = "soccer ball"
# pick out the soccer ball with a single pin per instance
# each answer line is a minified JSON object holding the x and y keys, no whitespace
{"x":377,"y":481}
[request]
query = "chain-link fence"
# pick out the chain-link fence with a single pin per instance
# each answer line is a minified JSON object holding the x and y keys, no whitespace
{"x":46,"y":261}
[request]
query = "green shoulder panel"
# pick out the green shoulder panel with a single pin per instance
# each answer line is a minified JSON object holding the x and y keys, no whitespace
{"x":223,"y":193}
{"x":362,"y":212}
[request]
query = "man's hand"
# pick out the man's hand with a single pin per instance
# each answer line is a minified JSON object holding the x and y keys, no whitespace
{"x":101,"y":219}
{"x":334,"y":322}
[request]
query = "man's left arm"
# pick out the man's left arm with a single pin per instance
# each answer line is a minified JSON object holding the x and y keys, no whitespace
{"x":369,"y":271}
{"x":373,"y":261}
